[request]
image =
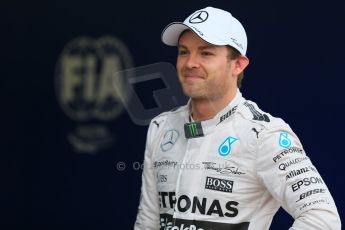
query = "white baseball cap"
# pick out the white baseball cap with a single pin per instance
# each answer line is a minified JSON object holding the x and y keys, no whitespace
{"x":215,"y":26}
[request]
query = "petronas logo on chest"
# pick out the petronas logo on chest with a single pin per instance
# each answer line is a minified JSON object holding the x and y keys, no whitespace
{"x":225,"y":148}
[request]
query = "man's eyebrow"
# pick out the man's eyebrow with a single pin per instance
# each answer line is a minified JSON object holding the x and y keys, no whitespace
{"x":200,"y":48}
{"x":182,"y":46}
{"x":207,"y":47}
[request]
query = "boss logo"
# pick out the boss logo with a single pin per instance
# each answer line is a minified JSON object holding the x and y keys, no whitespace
{"x":217,"y":184}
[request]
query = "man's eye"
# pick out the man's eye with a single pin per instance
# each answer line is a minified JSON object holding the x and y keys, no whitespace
{"x":206,"y":53}
{"x":182,"y":52}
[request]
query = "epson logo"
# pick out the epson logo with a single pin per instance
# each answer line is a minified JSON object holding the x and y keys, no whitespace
{"x":306,"y":182}
{"x":217,"y":184}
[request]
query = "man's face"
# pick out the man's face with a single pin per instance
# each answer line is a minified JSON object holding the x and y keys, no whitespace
{"x":204,"y":70}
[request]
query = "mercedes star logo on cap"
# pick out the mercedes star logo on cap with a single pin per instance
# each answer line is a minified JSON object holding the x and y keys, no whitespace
{"x":198,"y":17}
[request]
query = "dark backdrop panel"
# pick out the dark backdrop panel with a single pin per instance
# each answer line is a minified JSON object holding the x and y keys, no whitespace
{"x":296,"y":73}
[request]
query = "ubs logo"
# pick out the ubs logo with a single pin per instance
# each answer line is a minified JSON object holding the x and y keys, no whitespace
{"x":85,"y":91}
{"x":162,"y":178}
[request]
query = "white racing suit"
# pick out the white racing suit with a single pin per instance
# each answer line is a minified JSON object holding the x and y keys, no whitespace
{"x":231,"y":172}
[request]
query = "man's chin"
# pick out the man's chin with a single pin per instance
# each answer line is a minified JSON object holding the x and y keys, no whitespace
{"x":195,"y":95}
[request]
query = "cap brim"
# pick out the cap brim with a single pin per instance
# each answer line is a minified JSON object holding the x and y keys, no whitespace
{"x":172,"y":32}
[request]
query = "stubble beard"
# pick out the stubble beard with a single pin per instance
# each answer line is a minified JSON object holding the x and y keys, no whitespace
{"x":206,"y":91}
{"x":194,"y":92}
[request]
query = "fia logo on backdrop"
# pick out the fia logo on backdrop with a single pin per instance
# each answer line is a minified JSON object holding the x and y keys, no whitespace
{"x":85,"y":91}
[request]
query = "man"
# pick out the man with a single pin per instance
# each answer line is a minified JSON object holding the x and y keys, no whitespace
{"x":220,"y":162}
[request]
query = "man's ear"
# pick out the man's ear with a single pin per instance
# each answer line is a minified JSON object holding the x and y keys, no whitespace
{"x":240,"y":64}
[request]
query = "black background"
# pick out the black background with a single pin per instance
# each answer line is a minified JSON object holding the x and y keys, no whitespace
{"x":296,"y":51}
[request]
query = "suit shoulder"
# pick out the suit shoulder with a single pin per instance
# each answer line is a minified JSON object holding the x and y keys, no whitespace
{"x":163,"y":117}
{"x":252,"y":113}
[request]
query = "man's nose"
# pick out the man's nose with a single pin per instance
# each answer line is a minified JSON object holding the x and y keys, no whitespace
{"x":192,"y":61}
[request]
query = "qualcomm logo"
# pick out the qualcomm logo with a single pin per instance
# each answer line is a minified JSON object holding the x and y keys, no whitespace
{"x":284,"y":140}
{"x":169,"y":139}
{"x":225,"y":148}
